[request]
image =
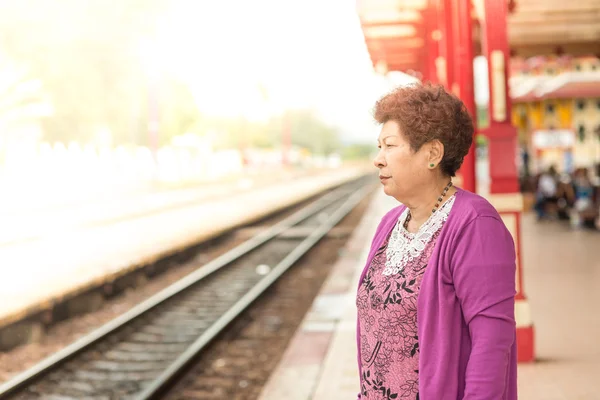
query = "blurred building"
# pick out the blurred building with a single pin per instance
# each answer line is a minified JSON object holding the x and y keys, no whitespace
{"x":557,"y":109}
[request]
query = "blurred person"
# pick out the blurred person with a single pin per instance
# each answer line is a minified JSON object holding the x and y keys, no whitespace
{"x":525,"y":157}
{"x":584,"y":210}
{"x":546,"y":192}
{"x":565,"y":196}
{"x":524,"y":170}
{"x":435,"y":300}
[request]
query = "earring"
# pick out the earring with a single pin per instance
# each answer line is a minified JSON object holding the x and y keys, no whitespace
{"x":431,"y":165}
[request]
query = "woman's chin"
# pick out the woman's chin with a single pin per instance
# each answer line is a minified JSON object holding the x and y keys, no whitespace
{"x":388,"y":190}
{"x":391,"y":191}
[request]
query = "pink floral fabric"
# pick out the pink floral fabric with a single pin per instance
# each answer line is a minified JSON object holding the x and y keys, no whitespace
{"x":387,"y":310}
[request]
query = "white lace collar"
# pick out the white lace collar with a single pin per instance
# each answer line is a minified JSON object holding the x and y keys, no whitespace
{"x":403,"y":246}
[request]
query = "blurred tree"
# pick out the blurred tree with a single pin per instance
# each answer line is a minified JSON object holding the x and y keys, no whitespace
{"x":307,"y":131}
{"x":359,"y":151}
{"x":87,"y":55}
{"x":178,"y":111}
{"x":311,"y":132}
{"x":22,"y":99}
{"x":259,"y":135}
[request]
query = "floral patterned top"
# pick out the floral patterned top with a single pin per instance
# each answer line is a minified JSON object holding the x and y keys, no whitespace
{"x":387,"y":309}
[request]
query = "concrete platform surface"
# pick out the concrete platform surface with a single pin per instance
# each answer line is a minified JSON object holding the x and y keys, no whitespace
{"x":22,"y":222}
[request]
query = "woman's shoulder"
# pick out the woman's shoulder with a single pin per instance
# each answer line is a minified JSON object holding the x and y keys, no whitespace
{"x":472,"y":206}
{"x":475,"y":220}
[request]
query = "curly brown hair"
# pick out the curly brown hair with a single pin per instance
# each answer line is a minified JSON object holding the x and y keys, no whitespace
{"x":426,"y":112}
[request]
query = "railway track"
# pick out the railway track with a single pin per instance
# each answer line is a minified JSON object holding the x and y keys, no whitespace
{"x":139,"y":354}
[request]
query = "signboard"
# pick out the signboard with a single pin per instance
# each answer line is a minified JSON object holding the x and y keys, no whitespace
{"x":553,"y":139}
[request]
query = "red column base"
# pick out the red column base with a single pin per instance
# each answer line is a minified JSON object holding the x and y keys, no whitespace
{"x":525,"y":344}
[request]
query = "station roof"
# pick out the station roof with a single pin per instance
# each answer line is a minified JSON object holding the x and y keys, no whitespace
{"x":542,"y":26}
{"x":394,"y":32}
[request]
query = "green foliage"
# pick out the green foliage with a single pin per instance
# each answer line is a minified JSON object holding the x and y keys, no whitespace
{"x":21,"y":97}
{"x":310,"y":132}
{"x":178,"y":113}
{"x":358,"y":151}
{"x":483,"y":118}
{"x":86,"y":55}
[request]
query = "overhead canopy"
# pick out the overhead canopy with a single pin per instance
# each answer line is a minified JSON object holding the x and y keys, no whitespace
{"x":394,"y":32}
{"x":396,"y":35}
{"x":540,"y":26}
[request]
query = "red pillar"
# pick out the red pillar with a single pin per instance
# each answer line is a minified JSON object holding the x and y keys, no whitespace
{"x":501,"y":133}
{"x":502,"y":137}
{"x":463,"y":79}
{"x":445,"y":61}
{"x":455,"y":65}
{"x":433,"y":36}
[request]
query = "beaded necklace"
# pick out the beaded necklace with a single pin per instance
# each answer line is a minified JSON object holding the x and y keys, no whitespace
{"x":435,"y":208}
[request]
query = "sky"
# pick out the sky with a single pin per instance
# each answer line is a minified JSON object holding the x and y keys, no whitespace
{"x":308,"y":53}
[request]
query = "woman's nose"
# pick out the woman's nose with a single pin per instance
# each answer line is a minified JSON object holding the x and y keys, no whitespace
{"x":379,"y":160}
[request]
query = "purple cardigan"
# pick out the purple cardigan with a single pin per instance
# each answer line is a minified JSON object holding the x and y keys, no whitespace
{"x":465,"y":309}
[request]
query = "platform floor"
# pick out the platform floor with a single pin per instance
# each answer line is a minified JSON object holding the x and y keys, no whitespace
{"x":72,"y":257}
{"x":24,"y":221}
{"x":562,"y":282}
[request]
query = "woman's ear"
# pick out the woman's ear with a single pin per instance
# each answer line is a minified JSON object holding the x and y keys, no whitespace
{"x":436,"y":153}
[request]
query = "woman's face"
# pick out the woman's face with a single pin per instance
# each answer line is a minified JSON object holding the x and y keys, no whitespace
{"x":400,"y":168}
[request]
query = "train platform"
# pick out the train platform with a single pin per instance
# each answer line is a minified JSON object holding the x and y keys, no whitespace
{"x":26,"y":218}
{"x":42,"y":268}
{"x":562,"y":281}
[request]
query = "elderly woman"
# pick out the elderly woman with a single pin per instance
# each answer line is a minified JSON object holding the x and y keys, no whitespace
{"x":436,"y":298}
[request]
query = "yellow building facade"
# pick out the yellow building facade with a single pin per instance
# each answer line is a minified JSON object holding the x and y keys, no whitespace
{"x":556,"y":109}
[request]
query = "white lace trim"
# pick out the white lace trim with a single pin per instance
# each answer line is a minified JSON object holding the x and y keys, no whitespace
{"x":404,"y":247}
